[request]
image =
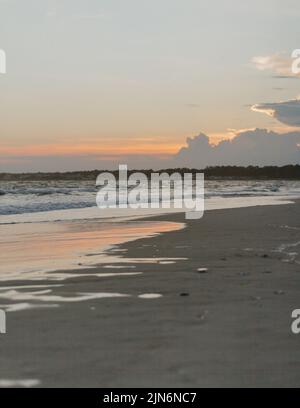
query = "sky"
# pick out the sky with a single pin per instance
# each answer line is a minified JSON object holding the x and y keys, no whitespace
{"x":94,"y":83}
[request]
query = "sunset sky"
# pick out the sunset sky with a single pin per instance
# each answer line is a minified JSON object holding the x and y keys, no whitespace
{"x":91,"y":83}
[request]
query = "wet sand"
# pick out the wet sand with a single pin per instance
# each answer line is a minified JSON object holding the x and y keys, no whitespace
{"x":29,"y":251}
{"x":227,"y":324}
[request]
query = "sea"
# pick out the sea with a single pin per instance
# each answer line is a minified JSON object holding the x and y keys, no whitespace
{"x":29,"y":197}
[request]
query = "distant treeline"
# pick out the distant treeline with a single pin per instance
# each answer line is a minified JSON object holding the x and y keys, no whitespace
{"x":267,"y":172}
{"x":216,"y":172}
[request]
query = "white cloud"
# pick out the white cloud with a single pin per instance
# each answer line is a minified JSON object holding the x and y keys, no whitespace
{"x":280,"y":64}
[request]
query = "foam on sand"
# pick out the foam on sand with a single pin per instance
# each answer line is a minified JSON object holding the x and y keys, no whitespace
{"x":116,"y":214}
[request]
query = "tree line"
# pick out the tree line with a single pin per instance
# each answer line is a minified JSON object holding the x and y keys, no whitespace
{"x":289,"y":172}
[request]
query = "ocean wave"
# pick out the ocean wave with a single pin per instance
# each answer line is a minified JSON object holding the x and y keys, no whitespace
{"x":93,"y":213}
{"x":41,"y":192}
{"x":32,"y":197}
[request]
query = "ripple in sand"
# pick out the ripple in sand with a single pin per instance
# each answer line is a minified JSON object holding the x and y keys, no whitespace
{"x":46,"y":296}
{"x":29,"y":287}
{"x":161,"y":261}
{"x":19,"y":307}
{"x":62,"y":276}
{"x":290,"y":227}
{"x":285,"y":249}
{"x":119,"y":266}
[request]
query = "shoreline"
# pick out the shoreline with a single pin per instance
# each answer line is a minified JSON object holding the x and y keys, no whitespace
{"x":38,"y":251}
{"x":170,"y":324}
{"x":35,"y":248}
{"x":115,"y":215}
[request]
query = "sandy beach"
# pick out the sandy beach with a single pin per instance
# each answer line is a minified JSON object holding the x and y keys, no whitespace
{"x":202,"y":306}
{"x":149,"y":197}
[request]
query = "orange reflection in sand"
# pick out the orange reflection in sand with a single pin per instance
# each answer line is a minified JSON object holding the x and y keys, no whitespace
{"x":41,"y":247}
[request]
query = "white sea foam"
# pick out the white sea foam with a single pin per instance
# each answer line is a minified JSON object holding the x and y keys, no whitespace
{"x":117,"y":214}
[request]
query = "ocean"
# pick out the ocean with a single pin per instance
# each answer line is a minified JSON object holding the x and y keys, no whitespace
{"x":29,"y":197}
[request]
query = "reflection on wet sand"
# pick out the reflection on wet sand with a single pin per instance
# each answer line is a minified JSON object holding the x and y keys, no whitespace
{"x":61,"y":251}
{"x":31,"y":251}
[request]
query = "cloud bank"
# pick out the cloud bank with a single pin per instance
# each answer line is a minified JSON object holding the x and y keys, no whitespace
{"x":250,"y":147}
{"x":254,"y":147}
